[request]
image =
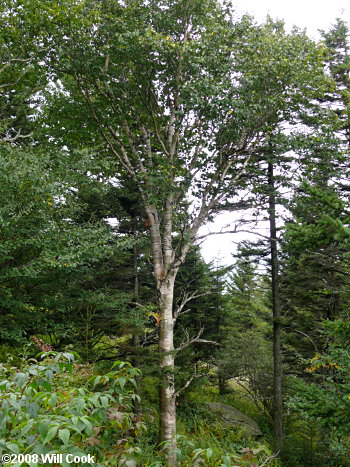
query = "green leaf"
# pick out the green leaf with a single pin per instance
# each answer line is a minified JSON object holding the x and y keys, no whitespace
{"x":87,"y":424}
{"x":21,"y":378}
{"x":43,"y":428}
{"x":64,"y":435}
{"x":50,"y":434}
{"x":75,"y":420}
{"x":122,"y":382}
{"x":104,"y":401}
{"x":13,"y":447}
{"x":97,"y":380}
{"x":79,"y":404}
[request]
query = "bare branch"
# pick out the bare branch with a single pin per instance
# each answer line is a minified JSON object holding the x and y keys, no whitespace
{"x":268,"y":459}
{"x":150,"y":337}
{"x":189,"y":341}
{"x":221,"y":232}
{"x":187,"y":298}
{"x":14,"y":60}
{"x":308,"y":337}
{"x":189,"y":381}
{"x":16,"y":137}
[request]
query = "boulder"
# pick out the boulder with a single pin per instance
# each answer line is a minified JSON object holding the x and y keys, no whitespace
{"x":234,"y":418}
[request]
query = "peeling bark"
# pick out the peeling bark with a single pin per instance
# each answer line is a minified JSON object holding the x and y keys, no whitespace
{"x":165,"y":274}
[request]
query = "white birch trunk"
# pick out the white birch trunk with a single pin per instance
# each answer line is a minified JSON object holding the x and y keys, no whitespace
{"x":166,"y":349}
{"x":165,"y":274}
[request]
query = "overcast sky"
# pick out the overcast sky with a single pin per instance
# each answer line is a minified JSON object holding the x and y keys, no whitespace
{"x":310,"y":14}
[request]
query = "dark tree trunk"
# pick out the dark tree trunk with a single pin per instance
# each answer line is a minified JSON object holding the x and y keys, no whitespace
{"x":277,"y":358}
{"x":221,"y":379}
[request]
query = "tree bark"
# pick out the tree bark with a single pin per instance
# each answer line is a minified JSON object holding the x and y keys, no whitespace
{"x":167,"y":359}
{"x":136,"y":335}
{"x":165,"y":273}
{"x":221,"y":379}
{"x":276,"y":312}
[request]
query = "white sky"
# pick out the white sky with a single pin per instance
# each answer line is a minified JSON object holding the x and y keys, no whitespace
{"x":310,"y":14}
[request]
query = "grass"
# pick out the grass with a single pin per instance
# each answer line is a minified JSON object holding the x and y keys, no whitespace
{"x":200,"y":429}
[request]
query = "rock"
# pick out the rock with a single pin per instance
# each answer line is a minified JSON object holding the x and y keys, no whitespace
{"x":235,"y":418}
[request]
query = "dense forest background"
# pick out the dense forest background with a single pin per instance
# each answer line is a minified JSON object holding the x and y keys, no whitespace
{"x":125,"y":127}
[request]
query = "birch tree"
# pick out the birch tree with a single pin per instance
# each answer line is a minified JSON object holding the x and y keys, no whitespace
{"x":177,"y":96}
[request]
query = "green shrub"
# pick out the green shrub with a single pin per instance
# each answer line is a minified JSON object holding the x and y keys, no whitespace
{"x":57,"y":406}
{"x":322,"y":400}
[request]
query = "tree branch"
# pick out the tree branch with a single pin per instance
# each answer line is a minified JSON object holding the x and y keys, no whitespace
{"x":187,"y":298}
{"x":189,"y":341}
{"x":16,"y":137}
{"x":189,"y":381}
